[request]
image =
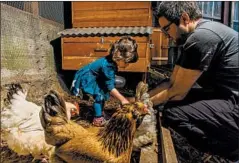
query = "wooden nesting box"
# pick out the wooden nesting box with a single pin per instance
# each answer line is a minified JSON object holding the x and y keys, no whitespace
{"x":96,"y":25}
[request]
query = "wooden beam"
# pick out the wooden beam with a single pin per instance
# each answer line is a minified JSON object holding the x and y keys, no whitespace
{"x":226,"y":13}
{"x":159,"y":58}
{"x":35,"y":8}
{"x":168,"y":151}
{"x":232,"y":6}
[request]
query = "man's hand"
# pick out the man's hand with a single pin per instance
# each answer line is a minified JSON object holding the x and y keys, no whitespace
{"x":131,"y":99}
{"x":181,"y":82}
{"x":125,"y":101}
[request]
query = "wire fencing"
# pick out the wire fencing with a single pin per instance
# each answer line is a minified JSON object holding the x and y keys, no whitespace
{"x":49,"y":10}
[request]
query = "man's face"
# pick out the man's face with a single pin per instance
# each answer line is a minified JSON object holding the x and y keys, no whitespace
{"x":168,"y":27}
{"x":171,"y":29}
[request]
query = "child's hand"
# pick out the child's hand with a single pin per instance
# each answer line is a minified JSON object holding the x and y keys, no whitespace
{"x":120,"y":97}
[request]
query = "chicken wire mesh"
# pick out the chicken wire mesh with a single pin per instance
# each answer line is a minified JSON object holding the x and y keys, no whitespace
{"x":18,"y":4}
{"x":49,"y":10}
{"x":52,"y":11}
{"x":27,"y":57}
{"x":26,"y":41}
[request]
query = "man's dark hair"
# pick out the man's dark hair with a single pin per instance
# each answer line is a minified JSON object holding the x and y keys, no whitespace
{"x":172,"y":10}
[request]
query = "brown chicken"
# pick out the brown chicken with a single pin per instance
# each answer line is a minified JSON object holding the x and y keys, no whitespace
{"x":73,"y":143}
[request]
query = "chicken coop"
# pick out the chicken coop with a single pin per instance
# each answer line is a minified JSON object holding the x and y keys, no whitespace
{"x":96,"y":25}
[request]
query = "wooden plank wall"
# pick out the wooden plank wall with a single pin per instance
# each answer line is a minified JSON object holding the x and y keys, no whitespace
{"x":79,"y":51}
{"x":112,"y":14}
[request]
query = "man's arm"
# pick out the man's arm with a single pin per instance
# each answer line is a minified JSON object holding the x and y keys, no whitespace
{"x":161,"y":87}
{"x":183,"y":82}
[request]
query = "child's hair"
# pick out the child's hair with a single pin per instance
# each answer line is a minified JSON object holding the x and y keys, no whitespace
{"x":125,"y":48}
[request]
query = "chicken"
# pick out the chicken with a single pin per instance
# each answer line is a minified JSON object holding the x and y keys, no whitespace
{"x":21,"y":127}
{"x":146,"y":135}
{"x":73,"y":143}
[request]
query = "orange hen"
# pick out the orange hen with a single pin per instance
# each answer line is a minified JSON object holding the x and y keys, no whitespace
{"x":73,"y":143}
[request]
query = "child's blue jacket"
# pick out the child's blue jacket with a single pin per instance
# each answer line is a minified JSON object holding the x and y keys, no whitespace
{"x":96,"y":78}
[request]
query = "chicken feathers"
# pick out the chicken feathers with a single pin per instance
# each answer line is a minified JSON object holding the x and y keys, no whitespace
{"x":20,"y":125}
{"x":73,"y":143}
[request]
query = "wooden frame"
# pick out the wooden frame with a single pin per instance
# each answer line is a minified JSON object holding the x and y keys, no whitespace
{"x":168,"y":151}
{"x":226,"y":13}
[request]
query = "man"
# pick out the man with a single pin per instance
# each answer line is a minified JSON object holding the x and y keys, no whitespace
{"x":208,"y":117}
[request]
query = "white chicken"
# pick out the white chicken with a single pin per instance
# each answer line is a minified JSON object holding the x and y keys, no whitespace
{"x":21,"y":127}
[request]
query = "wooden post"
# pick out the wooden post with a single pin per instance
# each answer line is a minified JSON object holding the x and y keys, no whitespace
{"x":168,"y":151}
{"x":226,"y":13}
{"x":232,"y":14}
{"x":35,"y":8}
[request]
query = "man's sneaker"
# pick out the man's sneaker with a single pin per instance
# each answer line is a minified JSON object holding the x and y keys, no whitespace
{"x":99,"y":121}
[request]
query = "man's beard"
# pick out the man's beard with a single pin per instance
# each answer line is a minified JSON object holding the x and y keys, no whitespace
{"x":181,"y":37}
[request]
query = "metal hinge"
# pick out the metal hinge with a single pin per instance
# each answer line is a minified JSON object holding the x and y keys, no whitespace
{"x":151,"y":46}
{"x":102,"y":40}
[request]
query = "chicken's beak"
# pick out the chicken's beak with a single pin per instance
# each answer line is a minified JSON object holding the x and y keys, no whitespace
{"x":77,"y":108}
{"x":73,"y":109}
